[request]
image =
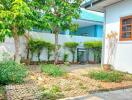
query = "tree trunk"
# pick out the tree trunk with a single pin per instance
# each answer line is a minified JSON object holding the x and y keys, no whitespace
{"x":56,"y":49}
{"x":16,"y":42}
{"x":27,"y":37}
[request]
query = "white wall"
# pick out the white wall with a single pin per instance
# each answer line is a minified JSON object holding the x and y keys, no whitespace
{"x":122,"y":59}
{"x":9,"y":44}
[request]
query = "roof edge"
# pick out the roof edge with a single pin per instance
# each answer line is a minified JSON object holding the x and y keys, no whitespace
{"x":91,"y":3}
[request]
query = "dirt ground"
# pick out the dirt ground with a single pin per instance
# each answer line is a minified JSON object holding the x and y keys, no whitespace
{"x":74,"y":83}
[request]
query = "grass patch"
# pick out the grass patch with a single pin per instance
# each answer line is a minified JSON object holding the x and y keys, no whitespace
{"x":53,"y":70}
{"x":112,"y":76}
{"x":53,"y":93}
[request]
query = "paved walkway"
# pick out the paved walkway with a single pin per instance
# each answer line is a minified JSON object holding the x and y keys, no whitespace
{"x":125,"y":94}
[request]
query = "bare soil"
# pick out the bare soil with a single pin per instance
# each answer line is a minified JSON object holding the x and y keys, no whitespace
{"x":74,"y":83}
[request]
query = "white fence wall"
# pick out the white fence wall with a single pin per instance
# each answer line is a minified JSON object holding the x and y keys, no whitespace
{"x":9,"y":44}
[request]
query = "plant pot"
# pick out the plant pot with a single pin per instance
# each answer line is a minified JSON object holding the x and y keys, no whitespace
{"x":107,"y":67}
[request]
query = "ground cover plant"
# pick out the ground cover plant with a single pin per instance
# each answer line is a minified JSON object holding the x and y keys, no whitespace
{"x":52,"y":70}
{"x":11,"y":72}
{"x":111,"y":76}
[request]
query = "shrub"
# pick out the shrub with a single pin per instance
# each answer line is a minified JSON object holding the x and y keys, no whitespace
{"x":72,"y":46}
{"x":37,"y":45}
{"x":93,"y":44}
{"x":11,"y":72}
{"x":112,"y":76}
{"x":96,"y":46}
{"x":52,"y":70}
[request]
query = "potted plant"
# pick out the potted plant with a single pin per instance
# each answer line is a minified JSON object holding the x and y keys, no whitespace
{"x":112,"y":43}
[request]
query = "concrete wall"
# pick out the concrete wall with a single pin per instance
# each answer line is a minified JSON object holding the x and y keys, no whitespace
{"x":122,"y":59}
{"x":9,"y":44}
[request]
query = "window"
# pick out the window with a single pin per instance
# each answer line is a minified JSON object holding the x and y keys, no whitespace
{"x":126,"y":28}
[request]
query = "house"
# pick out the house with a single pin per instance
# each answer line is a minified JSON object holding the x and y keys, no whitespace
{"x":90,"y":29}
{"x":118,"y":18}
{"x":90,"y":24}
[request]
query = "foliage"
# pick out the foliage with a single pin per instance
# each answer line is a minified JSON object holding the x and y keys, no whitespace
{"x":93,"y":44}
{"x":72,"y":46}
{"x":52,"y":94}
{"x":37,"y":45}
{"x":58,"y":16}
{"x":96,"y":46}
{"x":112,"y":76}
{"x":65,"y":57}
{"x":11,"y":72}
{"x":14,"y":12}
{"x":15,"y":19}
{"x":52,"y":70}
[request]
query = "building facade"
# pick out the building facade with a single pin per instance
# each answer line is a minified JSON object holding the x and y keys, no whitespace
{"x":118,"y":18}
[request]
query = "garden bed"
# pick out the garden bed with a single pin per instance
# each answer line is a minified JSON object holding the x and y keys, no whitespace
{"x":76,"y":83}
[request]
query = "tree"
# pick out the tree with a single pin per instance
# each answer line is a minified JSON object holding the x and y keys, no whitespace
{"x":15,"y":19}
{"x":72,"y":46}
{"x":58,"y":16}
